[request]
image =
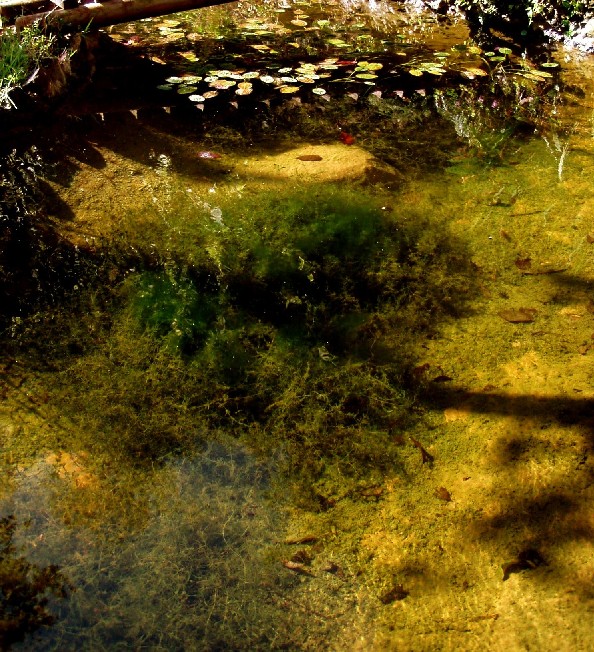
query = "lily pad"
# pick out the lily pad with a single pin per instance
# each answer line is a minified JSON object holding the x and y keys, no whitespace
{"x":244,"y":88}
{"x":186,"y":90}
{"x":222,"y":84}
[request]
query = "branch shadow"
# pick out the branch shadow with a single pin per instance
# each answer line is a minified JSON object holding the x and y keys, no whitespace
{"x":547,"y":512}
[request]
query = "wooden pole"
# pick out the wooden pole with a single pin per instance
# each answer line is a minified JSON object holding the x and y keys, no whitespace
{"x":111,"y":12}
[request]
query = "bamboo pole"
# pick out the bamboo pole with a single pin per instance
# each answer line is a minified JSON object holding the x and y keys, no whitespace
{"x":111,"y":12}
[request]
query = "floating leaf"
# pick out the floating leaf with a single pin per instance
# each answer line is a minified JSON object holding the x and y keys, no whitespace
{"x":251,"y":75}
{"x":260,"y":47}
{"x":220,"y":73}
{"x":189,"y":56}
{"x":477,"y":72}
{"x":175,"y":80}
{"x":299,"y":23}
{"x":505,"y":50}
{"x":532,"y":75}
{"x":210,"y":94}
{"x":289,"y":89}
{"x":222,"y":84}
{"x":375,"y":66}
{"x":366,"y":75}
{"x":307,"y":80}
{"x":288,"y":80}
{"x":338,"y":43}
{"x":165,"y":87}
{"x":186,"y":90}
{"x":267,"y":79}
{"x":284,"y":71}
{"x":196,"y":98}
{"x":346,"y":138}
{"x":309,"y":157}
{"x":318,"y":91}
{"x":541,"y":73}
{"x":416,"y":72}
{"x":550,"y":64}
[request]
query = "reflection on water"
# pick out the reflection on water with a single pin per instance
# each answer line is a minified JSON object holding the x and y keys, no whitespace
{"x":188,"y":568}
{"x":296,"y":370}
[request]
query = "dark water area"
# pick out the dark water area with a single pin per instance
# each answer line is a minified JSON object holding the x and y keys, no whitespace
{"x":296,"y":327}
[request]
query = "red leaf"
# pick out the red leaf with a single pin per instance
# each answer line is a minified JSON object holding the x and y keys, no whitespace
{"x":212,"y":155}
{"x":346,"y":138}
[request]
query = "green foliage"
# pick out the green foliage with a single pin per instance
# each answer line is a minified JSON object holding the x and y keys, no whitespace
{"x":172,"y":307}
{"x":525,"y":14}
{"x":20,"y":54}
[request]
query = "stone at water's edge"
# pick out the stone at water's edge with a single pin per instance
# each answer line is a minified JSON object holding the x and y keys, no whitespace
{"x":337,"y":162}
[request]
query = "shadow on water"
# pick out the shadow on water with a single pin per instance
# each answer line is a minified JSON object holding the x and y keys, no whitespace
{"x":546,"y":514}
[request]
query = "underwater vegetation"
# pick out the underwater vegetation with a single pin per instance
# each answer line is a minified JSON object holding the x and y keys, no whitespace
{"x":289,"y":321}
{"x":25,"y":590}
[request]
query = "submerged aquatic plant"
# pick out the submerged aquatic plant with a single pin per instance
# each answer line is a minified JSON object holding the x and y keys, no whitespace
{"x":293,"y":330}
{"x":25,"y":589}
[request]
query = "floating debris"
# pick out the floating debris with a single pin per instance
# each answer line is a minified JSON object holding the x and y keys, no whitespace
{"x":209,"y":155}
{"x":309,"y":157}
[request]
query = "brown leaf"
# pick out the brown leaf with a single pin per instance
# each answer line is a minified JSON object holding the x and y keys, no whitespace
{"x":396,"y":593}
{"x":309,"y":157}
{"x":523,"y":263}
{"x":443,"y":494}
{"x":296,"y":567}
{"x":518,"y":315}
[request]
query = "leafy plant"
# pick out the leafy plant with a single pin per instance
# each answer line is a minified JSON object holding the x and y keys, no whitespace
{"x":20,"y":55}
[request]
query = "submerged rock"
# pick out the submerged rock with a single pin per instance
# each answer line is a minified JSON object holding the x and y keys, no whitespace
{"x":334,"y":162}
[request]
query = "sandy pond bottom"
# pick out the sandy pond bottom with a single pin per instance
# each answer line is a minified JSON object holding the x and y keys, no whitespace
{"x":489,"y":546}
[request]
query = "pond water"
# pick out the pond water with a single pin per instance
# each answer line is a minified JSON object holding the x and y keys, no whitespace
{"x":297,"y":342}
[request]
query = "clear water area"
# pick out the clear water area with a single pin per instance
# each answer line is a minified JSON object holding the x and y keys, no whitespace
{"x":315,"y":371}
